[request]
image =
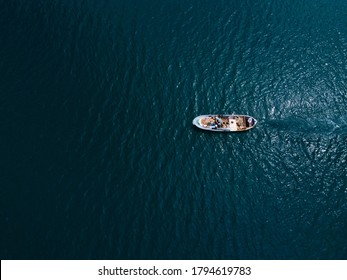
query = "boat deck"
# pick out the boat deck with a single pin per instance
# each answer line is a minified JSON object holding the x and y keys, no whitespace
{"x":233,"y":123}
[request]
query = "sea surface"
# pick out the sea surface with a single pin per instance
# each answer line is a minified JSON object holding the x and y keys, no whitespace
{"x":99,"y":158}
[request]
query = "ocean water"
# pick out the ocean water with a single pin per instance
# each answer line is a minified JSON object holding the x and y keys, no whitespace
{"x":99,"y":159}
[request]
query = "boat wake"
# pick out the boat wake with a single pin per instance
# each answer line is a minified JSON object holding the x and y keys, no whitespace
{"x":310,"y":125}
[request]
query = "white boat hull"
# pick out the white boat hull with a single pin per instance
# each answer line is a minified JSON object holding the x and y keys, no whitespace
{"x":225,"y":123}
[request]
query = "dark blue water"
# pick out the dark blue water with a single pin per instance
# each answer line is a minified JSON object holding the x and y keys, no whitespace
{"x":99,"y":159}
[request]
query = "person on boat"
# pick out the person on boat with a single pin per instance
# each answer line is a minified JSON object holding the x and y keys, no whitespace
{"x":219,"y":122}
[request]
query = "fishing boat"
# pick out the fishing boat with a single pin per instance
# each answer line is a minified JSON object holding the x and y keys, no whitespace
{"x":225,"y":123}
